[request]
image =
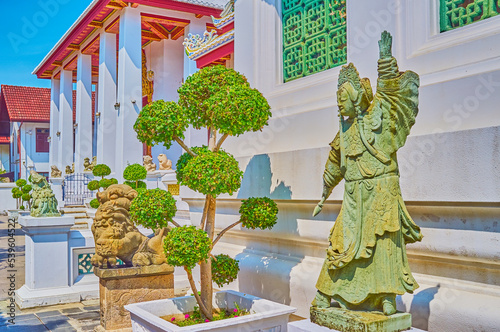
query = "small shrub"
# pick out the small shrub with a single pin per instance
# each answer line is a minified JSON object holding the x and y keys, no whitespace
{"x":135,"y":172}
{"x":93,"y":185}
{"x":224,"y":269}
{"x":153,"y":208}
{"x":22,"y":207}
{"x":21,"y":183}
{"x":101,"y":170}
{"x":94,"y":203}
{"x":187,"y":246}
{"x":27,"y":188}
{"x":258,"y":212}
{"x":26,"y":197}
{"x":105,"y":183}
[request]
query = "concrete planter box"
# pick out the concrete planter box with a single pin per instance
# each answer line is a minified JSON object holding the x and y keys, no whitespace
{"x":266,"y":316}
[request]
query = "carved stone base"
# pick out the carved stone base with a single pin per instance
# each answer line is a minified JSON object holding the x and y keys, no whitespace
{"x":122,"y":286}
{"x":360,"y":321}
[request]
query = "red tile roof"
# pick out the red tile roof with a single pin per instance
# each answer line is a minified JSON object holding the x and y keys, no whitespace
{"x":31,"y":104}
{"x":27,"y":103}
{"x":4,"y":139}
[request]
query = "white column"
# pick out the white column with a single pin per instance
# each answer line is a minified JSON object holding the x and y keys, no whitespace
{"x":54,"y":123}
{"x":66,"y":119}
{"x":106,"y":122}
{"x":83,"y":131}
{"x":128,"y":147}
{"x":196,"y":27}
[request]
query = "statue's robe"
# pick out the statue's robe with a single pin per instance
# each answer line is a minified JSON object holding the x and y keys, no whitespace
{"x":367,"y":256}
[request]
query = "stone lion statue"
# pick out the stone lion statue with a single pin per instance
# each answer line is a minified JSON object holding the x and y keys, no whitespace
{"x":116,"y":236}
{"x":55,"y":172}
{"x":70,"y":170}
{"x":89,"y":166}
{"x":147,"y":162}
{"x":164,"y":162}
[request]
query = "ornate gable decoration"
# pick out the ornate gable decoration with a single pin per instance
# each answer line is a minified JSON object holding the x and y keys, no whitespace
{"x":197,"y":46}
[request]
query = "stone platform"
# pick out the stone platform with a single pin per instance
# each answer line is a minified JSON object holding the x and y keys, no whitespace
{"x":360,"y":321}
{"x":307,"y":326}
{"x":121,"y":286}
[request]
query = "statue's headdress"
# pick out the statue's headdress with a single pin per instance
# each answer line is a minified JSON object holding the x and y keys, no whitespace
{"x":350,"y":74}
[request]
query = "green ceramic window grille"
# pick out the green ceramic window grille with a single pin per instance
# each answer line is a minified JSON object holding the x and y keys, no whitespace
{"x":459,"y":13}
{"x":314,"y":36}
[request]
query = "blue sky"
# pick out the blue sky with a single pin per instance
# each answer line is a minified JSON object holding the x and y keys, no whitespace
{"x":29,"y":31}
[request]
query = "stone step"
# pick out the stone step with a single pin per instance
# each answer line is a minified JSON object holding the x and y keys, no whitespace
{"x":74,"y":210}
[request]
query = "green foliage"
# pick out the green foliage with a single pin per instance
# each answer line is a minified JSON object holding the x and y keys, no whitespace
{"x":186,"y":246}
{"x":105,"y":183}
{"x":27,"y":188}
{"x":94,"y":203}
{"x":239,"y":110}
{"x":209,"y":82}
{"x":258,"y":212}
{"x":113,"y":181}
{"x":26,"y":197}
{"x":135,"y":172}
{"x":197,"y":318}
{"x":185,"y":158}
{"x":159,"y":122}
{"x":101,"y":170}
{"x":22,"y":207}
{"x":212,"y":173}
{"x":224,"y":269}
{"x":21,"y":183}
{"x":153,"y":208}
{"x":93,"y":185}
{"x":139,"y":185}
{"x":16,"y":193}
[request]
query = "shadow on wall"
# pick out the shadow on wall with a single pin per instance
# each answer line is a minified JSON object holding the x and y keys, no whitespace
{"x":420,"y":307}
{"x":262,"y":275}
{"x":257,"y":180}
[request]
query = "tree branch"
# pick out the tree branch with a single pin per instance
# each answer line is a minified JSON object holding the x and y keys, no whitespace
{"x":175,"y":223}
{"x":204,"y":216}
{"x":224,"y":231}
{"x":196,"y":295}
{"x":184,"y":146}
{"x":219,"y":143}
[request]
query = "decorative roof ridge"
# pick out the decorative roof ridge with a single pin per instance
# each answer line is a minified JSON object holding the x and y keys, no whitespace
{"x":197,"y":46}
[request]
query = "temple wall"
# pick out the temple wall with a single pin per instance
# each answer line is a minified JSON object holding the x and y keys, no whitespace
{"x":449,"y":165}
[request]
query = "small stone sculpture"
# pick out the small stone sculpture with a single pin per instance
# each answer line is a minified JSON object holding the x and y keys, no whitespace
{"x":70,"y":170}
{"x":147,"y":162}
{"x":164,"y":162}
{"x":89,"y":166}
{"x":55,"y":172}
{"x":366,"y":264}
{"x":44,"y":203}
{"x":116,"y":236}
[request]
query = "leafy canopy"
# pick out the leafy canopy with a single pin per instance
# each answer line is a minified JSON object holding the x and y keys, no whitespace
{"x":214,"y":97}
{"x":211,"y":173}
{"x":159,"y":122}
{"x":187,"y":246}
{"x":135,"y":172}
{"x":258,"y":212}
{"x":101,"y":170}
{"x":153,"y":208}
{"x":224,"y":269}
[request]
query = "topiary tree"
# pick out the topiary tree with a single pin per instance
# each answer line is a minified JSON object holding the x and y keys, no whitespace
{"x":22,"y":193}
{"x":101,"y":170}
{"x":134,"y":174}
{"x":222,"y":101}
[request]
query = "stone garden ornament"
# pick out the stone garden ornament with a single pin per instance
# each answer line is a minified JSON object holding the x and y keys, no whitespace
{"x":366,"y":264}
{"x":164,"y":163}
{"x":147,"y":162}
{"x":55,"y":172}
{"x":44,"y":202}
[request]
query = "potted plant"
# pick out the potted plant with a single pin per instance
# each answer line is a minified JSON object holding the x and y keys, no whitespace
{"x":222,"y":101}
{"x":100,"y":170}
